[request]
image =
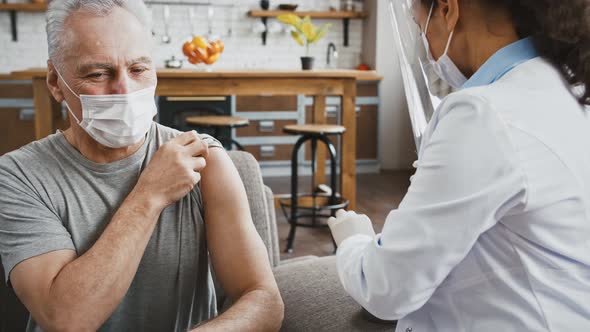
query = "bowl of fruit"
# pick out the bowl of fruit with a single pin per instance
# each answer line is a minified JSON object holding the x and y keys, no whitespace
{"x":200,"y":50}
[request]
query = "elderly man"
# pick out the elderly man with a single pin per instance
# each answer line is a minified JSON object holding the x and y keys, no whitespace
{"x":113,"y":224}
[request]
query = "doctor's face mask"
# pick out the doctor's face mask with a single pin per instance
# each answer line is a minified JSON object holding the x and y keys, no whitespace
{"x":444,"y":67}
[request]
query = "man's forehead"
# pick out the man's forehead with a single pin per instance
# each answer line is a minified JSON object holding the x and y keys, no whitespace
{"x":119,"y":41}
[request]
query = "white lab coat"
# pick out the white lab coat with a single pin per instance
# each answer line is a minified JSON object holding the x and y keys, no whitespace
{"x":494,"y":232}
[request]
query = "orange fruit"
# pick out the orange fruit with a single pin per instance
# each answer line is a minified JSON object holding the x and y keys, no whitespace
{"x":220,"y":46}
{"x":216,"y":47}
{"x":188,"y":49}
{"x":202,"y":54}
{"x":212,"y":59}
{"x":200,"y":42}
{"x":194,"y":60}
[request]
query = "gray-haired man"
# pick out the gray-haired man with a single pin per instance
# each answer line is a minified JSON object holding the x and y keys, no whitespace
{"x":102,"y":226}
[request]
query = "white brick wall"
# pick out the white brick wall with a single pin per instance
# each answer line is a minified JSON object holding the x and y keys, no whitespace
{"x":243,"y":50}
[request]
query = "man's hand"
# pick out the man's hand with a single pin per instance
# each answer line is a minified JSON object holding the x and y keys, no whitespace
{"x":348,"y":223}
{"x":174,"y":170}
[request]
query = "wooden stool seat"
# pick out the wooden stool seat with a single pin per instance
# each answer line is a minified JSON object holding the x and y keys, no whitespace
{"x":217,"y":121}
{"x":314,"y":129}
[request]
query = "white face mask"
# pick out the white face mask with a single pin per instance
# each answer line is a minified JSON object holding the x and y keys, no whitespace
{"x":444,"y":66}
{"x":116,"y":121}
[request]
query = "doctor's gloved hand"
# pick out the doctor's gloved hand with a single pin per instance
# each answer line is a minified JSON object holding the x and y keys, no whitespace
{"x":348,"y":223}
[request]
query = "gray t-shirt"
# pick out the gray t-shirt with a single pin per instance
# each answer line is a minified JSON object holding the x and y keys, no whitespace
{"x":52,"y":198}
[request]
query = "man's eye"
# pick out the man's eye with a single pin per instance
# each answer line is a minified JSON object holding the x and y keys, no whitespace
{"x":138,"y":70}
{"x":96,"y":75}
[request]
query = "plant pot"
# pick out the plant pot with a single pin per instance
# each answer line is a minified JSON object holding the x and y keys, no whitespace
{"x":307,"y":62}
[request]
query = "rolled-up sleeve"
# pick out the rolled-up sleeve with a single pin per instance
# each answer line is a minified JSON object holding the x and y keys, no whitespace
{"x":468,"y":177}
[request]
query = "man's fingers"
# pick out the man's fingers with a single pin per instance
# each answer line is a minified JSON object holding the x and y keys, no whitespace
{"x":196,"y":178}
{"x":186,"y":138}
{"x":198,"y":163}
{"x":198,"y":148}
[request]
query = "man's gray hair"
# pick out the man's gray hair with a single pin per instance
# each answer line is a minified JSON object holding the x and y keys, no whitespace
{"x":59,"y":10}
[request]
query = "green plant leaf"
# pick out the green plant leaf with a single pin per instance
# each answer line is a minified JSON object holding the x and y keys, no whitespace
{"x":297,"y":38}
{"x":321,"y":33}
{"x":290,"y":19}
{"x":309,"y":30}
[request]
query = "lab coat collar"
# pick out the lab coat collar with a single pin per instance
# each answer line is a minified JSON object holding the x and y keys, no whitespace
{"x":502,"y":62}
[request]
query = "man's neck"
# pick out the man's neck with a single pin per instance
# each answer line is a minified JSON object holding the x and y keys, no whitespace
{"x":95,"y":151}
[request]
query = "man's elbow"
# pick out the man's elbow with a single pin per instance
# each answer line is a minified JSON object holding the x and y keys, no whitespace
{"x":64,"y":321}
{"x":278,"y":309}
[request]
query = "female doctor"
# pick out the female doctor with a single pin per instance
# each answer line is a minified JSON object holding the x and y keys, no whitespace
{"x":494,"y":232}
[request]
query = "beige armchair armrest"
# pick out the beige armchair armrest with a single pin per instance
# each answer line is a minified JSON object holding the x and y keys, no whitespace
{"x":315,"y":300}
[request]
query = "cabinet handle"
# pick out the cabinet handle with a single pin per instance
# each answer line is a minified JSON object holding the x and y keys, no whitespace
{"x":332,"y":111}
{"x":26,"y":114}
{"x":195,"y":98}
{"x":267,"y":151}
{"x":266,"y":126}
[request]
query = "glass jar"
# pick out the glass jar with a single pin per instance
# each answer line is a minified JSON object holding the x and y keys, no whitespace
{"x":347,"y":5}
{"x":359,"y":5}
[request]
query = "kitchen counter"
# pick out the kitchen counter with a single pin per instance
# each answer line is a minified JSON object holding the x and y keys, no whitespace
{"x":190,"y":82}
{"x":359,"y":75}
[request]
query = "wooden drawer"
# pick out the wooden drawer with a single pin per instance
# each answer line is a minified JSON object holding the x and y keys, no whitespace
{"x":15,"y":132}
{"x":263,"y":128}
{"x":367,"y":89}
{"x":271,"y":152}
{"x":366,"y":133}
{"x":266,"y":103}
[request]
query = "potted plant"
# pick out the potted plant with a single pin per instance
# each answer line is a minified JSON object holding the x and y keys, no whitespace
{"x":305,"y":34}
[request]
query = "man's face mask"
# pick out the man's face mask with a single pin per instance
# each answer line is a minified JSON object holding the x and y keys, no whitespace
{"x":119,"y":120}
{"x":444,"y":67}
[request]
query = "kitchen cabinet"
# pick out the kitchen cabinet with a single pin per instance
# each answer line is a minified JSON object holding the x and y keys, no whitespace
{"x":17,"y":114}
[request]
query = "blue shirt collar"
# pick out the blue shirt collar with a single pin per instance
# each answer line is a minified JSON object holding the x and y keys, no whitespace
{"x":503,"y":61}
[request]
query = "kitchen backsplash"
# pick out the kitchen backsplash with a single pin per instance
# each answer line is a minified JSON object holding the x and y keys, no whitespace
{"x":243,"y":48}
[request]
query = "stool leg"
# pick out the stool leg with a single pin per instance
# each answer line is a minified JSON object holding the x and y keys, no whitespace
{"x":238,"y":145}
{"x":332,"y":151}
{"x":314,"y":148}
{"x":333,"y":165}
{"x":294,"y":194}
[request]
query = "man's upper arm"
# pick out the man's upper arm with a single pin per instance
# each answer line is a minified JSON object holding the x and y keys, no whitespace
{"x":28,"y":227}
{"x":239,"y":256}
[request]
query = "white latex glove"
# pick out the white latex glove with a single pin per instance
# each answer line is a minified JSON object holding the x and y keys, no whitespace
{"x":348,"y":223}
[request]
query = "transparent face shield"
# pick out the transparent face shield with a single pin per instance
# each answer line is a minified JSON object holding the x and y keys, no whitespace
{"x":423,"y":88}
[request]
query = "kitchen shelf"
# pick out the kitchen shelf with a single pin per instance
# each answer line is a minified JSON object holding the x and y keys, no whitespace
{"x":312,"y":14}
{"x":345,"y":16}
{"x":23,"y":7}
{"x":13,"y":8}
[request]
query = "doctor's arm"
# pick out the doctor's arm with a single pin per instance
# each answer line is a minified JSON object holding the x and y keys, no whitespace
{"x":239,"y":257}
{"x":466,"y":180}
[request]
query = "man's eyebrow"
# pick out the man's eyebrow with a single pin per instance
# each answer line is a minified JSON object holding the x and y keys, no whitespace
{"x":86,"y":67}
{"x":143,"y":60}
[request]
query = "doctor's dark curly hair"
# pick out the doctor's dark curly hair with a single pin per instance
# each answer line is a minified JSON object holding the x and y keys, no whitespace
{"x":560,"y":30}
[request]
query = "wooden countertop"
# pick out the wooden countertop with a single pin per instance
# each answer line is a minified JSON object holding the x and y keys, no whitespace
{"x":192,"y":73}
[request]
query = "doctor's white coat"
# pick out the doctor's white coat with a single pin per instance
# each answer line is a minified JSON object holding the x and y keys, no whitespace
{"x":494,"y":232}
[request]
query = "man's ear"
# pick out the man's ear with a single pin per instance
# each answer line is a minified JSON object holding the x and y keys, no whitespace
{"x":450,"y":12}
{"x":52,"y":79}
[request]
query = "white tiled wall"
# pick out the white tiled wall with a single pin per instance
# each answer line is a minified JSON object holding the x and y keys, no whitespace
{"x":243,"y":49}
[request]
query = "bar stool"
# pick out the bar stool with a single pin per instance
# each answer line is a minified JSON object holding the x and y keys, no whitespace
{"x":315,"y":205}
{"x":218,"y":122}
